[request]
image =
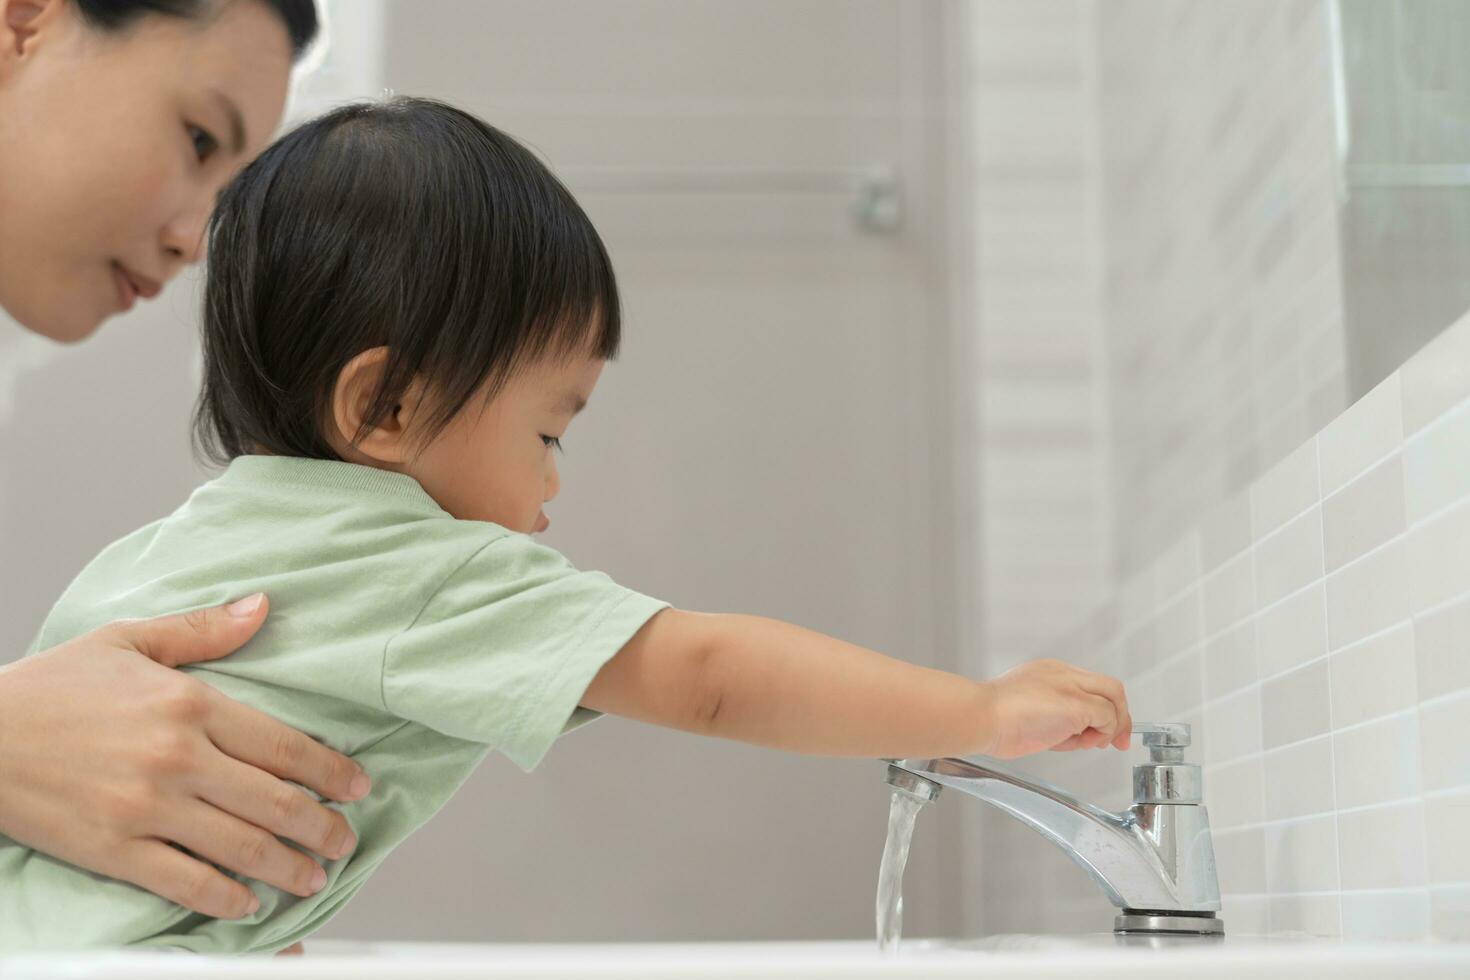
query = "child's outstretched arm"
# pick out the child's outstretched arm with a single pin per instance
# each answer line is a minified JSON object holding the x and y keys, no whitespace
{"x":770,"y":683}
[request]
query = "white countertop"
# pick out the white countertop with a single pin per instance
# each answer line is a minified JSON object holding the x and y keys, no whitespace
{"x":1084,"y":956}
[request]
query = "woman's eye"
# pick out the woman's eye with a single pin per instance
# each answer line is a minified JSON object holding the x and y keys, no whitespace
{"x":552,"y":442}
{"x":204,"y":143}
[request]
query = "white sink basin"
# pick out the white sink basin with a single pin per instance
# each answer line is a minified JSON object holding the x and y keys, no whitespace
{"x":1084,"y":957}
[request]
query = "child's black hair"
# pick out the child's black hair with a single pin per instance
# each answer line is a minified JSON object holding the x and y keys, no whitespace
{"x":406,"y":224}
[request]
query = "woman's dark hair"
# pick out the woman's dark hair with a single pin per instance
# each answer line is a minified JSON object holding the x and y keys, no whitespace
{"x":116,"y":15}
{"x":406,"y":224}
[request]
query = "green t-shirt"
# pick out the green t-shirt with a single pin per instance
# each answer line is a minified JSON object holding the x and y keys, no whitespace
{"x":413,"y":642}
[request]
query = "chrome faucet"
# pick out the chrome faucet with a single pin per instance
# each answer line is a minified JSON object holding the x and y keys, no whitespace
{"x":1154,"y":861}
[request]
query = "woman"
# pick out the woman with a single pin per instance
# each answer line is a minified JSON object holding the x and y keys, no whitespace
{"x":120,"y":121}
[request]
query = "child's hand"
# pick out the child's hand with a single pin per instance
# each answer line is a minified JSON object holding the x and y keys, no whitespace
{"x":1047,"y":704}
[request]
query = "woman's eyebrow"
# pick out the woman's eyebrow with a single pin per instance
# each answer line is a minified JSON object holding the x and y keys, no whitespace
{"x":237,"y":123}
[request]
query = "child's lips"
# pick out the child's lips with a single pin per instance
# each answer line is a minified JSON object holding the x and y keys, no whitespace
{"x":542,"y":523}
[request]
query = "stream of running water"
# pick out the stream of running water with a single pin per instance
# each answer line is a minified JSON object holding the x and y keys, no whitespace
{"x":901,"y":813}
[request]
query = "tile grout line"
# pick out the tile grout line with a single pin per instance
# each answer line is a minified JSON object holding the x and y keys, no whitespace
{"x":1404,"y":488}
{"x":1318,"y":893}
{"x":1331,"y":742}
{"x":1261,"y":775}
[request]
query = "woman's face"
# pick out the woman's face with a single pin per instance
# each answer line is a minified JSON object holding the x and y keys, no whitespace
{"x":113,"y":147}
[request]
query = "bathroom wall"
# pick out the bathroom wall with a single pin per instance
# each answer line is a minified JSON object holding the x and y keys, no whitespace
{"x":1285,"y":572}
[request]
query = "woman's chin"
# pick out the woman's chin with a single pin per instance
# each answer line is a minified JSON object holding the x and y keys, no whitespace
{"x":64,"y":326}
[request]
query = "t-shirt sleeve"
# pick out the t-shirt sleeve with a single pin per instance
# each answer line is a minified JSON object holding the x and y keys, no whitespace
{"x":504,"y":650}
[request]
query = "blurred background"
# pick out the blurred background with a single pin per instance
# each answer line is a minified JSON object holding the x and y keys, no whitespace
{"x":947,"y":321}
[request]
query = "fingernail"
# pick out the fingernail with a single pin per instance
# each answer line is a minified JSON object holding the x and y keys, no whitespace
{"x":347,"y":846}
{"x":254,"y":905}
{"x":244,"y":608}
{"x":318,"y":880}
{"x":360,"y":786}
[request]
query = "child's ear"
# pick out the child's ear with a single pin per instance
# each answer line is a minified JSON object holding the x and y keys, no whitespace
{"x":390,"y":438}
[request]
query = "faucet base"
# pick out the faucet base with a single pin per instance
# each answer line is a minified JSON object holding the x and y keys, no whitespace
{"x":1179,"y":923}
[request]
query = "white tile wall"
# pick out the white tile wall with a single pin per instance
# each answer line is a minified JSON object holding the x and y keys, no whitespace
{"x":1173,"y":166}
{"x":1333,"y":709}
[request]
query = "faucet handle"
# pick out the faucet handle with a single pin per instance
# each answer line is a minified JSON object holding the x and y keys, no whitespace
{"x":1166,"y":777}
{"x":1165,"y":741}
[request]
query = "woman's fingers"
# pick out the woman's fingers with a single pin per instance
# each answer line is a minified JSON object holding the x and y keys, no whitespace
{"x":245,"y":849}
{"x":259,"y":740}
{"x":201,"y":634}
{"x":259,"y":798}
{"x":187,"y":881}
{"x":108,"y":755}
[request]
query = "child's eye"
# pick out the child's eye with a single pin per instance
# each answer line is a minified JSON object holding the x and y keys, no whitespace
{"x":204,"y":142}
{"x":552,"y":442}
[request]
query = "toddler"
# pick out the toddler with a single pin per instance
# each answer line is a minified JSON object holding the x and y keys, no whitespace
{"x":404,"y":313}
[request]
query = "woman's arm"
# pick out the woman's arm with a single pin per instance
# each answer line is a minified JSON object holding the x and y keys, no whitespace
{"x":107,"y":756}
{"x":770,"y":683}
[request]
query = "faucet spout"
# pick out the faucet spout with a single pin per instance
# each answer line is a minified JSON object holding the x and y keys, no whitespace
{"x":1154,"y":859}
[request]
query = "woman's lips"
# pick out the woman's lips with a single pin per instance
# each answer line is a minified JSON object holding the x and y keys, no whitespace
{"x":127,"y":293}
{"x":131,"y":285}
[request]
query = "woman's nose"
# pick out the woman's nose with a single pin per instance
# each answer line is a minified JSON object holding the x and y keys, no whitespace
{"x":183,"y":236}
{"x":183,"y":240}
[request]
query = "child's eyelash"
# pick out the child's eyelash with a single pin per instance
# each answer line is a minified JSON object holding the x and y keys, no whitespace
{"x":203,"y":141}
{"x":553,"y":442}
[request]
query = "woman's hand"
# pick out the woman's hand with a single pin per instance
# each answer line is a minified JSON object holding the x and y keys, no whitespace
{"x":108,"y":756}
{"x":1047,"y":704}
